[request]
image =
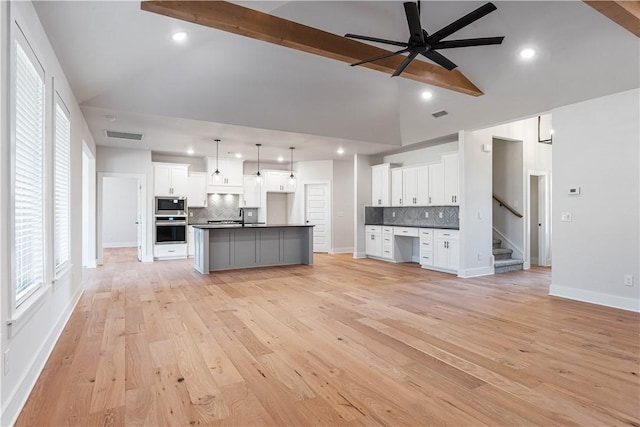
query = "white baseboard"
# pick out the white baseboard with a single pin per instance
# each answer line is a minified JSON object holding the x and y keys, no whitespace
{"x":599,"y":298}
{"x":147,"y":259}
{"x":119,"y":245}
{"x":359,"y":255}
{"x":476,"y":272}
{"x":20,"y":394}
{"x":91,"y":264}
{"x":340,"y":250}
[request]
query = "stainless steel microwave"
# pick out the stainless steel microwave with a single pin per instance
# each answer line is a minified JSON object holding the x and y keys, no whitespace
{"x":171,"y":206}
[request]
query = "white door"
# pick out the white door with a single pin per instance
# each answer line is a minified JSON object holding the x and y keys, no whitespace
{"x":317,"y":213}
{"x":139,"y":220}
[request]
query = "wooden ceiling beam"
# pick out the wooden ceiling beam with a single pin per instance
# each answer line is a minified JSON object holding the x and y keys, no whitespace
{"x":624,"y":13}
{"x":247,"y":22}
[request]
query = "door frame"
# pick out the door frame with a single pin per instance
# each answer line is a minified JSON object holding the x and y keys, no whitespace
{"x":544,"y":216}
{"x":329,"y":210}
{"x":141,"y":182}
{"x":89,"y":257}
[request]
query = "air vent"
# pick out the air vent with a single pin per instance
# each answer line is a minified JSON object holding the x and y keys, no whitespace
{"x":123,"y":135}
{"x":439,"y":113}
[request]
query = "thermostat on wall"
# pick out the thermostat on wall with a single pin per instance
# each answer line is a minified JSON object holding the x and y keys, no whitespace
{"x":574,"y":191}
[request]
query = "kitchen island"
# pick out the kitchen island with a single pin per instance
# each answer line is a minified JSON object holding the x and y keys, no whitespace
{"x":227,"y":247}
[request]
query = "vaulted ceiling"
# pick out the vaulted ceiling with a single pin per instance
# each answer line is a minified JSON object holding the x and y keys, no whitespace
{"x":122,"y":63}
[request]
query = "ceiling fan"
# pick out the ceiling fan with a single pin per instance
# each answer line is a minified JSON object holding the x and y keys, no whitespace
{"x":421,"y":43}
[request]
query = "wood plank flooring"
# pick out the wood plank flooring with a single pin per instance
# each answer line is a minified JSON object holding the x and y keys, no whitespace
{"x":341,"y":343}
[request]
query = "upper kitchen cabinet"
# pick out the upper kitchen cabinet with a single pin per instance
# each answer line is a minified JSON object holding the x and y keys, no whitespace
{"x":277,"y":181}
{"x":252,"y":194}
{"x":380,"y":183}
{"x":410,"y":186}
{"x":397,"y":186}
{"x":197,"y":191}
{"x":436,"y":184}
{"x":170,"y":179}
{"x":231,"y":174}
{"x":451,"y":180}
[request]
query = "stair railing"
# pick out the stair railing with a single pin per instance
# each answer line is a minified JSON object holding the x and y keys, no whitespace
{"x":506,"y":206}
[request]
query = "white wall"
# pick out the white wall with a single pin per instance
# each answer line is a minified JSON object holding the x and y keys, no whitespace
{"x":30,"y":339}
{"x":342,"y":191}
{"x":362,"y":197}
{"x":597,"y":147}
{"x":313,"y":172}
{"x":277,"y":208}
{"x":130,"y":162}
{"x":120,"y":212}
{"x":423,"y":155}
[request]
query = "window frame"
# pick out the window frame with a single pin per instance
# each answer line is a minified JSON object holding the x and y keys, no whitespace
{"x":60,"y":269}
{"x":18,"y":37}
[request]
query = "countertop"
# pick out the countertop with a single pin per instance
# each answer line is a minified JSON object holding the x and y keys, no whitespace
{"x":441,"y":227}
{"x":210,"y":226}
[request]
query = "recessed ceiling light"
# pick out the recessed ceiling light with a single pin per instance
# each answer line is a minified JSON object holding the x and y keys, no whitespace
{"x":280,"y":158}
{"x":179,"y":36}
{"x":340,"y":150}
{"x":190,"y":151}
{"x":426,"y":95}
{"x":238,"y":155}
{"x":527,"y":53}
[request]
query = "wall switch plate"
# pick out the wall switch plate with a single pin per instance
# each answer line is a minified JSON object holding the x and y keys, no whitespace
{"x":566,"y":217}
{"x":628,"y":280}
{"x":574,"y":191}
{"x":426,"y":214}
{"x":393,"y":214}
{"x":190,"y":214}
{"x":5,"y":362}
{"x":249,"y":213}
{"x":440,"y":215}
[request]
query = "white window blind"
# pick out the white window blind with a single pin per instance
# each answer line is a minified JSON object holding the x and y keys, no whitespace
{"x":62,"y":182}
{"x":28,"y":188}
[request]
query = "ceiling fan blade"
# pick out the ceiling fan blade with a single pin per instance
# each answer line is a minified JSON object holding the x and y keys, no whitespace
{"x":484,"y":41}
{"x":386,"y":55}
{"x":374,"y":39}
{"x":404,"y":64}
{"x":413,"y":19}
{"x":462,"y":22}
{"x":439,"y":59}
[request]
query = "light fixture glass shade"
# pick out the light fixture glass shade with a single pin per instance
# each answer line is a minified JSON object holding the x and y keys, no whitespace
{"x":258,"y":178}
{"x":217,"y":176}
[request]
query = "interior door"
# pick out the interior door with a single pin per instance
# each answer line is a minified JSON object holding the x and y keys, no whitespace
{"x":139,"y":221}
{"x":317,"y":213}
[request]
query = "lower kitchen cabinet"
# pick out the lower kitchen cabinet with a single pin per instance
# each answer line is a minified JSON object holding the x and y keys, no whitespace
{"x":373,"y":244}
{"x":447,"y":249}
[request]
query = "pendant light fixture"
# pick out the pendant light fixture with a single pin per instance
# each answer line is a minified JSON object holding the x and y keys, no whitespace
{"x":217,"y":175}
{"x":292,"y":178}
{"x":258,"y":176}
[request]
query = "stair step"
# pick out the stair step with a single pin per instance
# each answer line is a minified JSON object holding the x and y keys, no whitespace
{"x":496,"y":243}
{"x":502,"y":266}
{"x":501,"y":253}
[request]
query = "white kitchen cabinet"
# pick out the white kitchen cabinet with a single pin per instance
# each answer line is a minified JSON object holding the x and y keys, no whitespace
{"x":373,"y":244}
{"x":387,"y":242}
{"x":277,"y":181}
{"x":380,"y":185}
{"x":191,"y":247}
{"x":447,"y":249}
{"x":426,"y":247}
{"x":450,"y":166}
{"x":170,"y":179}
{"x":397,"y":186}
{"x":422,"y":186}
{"x":231,"y":176}
{"x":436,"y":184}
{"x":197,"y":190}
{"x":410,"y":187}
{"x":252,"y":194}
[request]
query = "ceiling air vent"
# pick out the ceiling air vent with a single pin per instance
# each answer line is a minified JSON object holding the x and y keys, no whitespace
{"x":439,"y":113}
{"x":123,"y":135}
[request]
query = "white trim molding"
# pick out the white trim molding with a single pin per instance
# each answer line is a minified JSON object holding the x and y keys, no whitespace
{"x":599,"y":298}
{"x":340,"y":251}
{"x":475,"y":272}
{"x":359,"y":255}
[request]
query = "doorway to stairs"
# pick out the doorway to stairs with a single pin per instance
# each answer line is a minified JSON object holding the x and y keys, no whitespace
{"x":539,"y":221}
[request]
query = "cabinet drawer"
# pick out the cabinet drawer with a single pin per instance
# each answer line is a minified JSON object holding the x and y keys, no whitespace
{"x":426,"y":259}
{"x":426,"y":232}
{"x":387,"y":253}
{"x":447,"y":234}
{"x":426,"y":245}
{"x":171,"y":251}
{"x":405,"y":231}
{"x":373,"y":228}
{"x":387,"y":230}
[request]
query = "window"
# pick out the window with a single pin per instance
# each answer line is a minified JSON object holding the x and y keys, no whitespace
{"x":62,"y":141}
{"x":28,"y":173}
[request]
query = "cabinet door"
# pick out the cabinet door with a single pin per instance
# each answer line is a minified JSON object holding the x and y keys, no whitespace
{"x":410,"y":187}
{"x":450,"y":164}
{"x":453,"y":247}
{"x":251,"y":197}
{"x":376,"y":186}
{"x":179,"y":184}
{"x":422,"y":185}
{"x":197,"y":190}
{"x":162,"y":180}
{"x":276,"y":181}
{"x":373,"y":245}
{"x":436,"y":184}
{"x":211,"y":168}
{"x":232,"y":172}
{"x":397,"y":187}
{"x":441,"y":255}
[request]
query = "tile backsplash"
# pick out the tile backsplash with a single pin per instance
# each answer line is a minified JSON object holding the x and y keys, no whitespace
{"x":438,"y":216}
{"x":221,"y":207}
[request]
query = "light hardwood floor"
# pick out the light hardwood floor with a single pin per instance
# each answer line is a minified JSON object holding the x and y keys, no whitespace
{"x":342,"y":342}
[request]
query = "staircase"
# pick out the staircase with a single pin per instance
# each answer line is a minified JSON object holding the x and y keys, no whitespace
{"x":502,"y":259}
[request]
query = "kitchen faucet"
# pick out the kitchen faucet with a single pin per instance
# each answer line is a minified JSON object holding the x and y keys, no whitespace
{"x":242,"y":216}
